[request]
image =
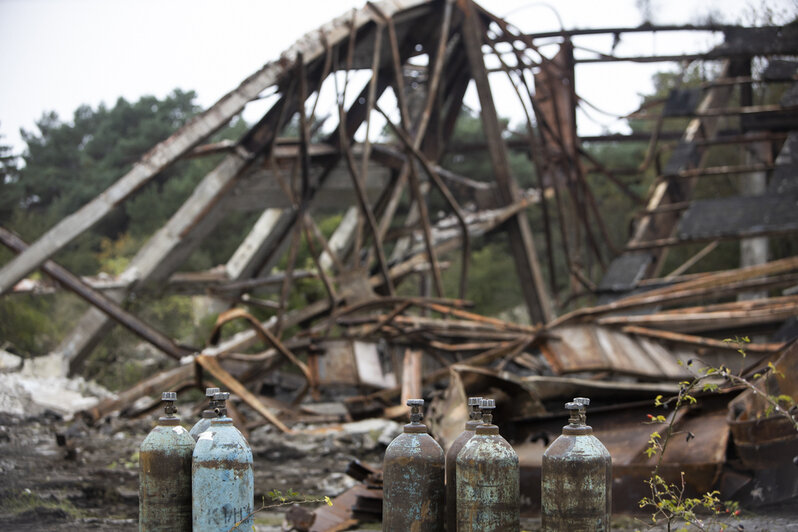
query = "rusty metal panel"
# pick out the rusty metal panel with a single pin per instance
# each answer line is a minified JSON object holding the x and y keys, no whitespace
{"x":576,"y":348}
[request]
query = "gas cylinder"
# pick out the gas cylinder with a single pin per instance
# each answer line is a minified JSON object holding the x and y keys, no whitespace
{"x":488,"y":478}
{"x":576,"y":488}
{"x":165,"y":474}
{"x":413,"y":479}
{"x":209,"y":413}
{"x":474,"y":419}
{"x":222,"y":478}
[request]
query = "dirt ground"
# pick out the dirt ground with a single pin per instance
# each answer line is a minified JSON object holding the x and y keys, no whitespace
{"x":90,"y":480}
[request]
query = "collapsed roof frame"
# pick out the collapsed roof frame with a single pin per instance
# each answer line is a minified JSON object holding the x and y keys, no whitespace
{"x":381,"y":38}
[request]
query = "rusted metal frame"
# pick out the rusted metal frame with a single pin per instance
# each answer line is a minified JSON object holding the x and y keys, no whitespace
{"x":645,"y":28}
{"x":100,"y":301}
{"x":689,"y":263}
{"x":413,"y":178}
{"x":261,"y":331}
{"x":520,"y":234}
{"x":325,"y":244}
{"x":719,"y":171}
{"x":534,"y":153}
{"x":325,"y":71}
{"x":362,"y":199}
{"x":591,"y":200}
{"x":576,"y":176}
{"x":445,"y":192}
{"x":325,"y":279}
{"x":690,"y":339}
{"x":212,"y":366}
{"x":370,"y":101}
{"x":387,"y":319}
{"x":669,"y":242}
{"x":296,"y":237}
{"x":456,"y":91}
{"x":721,"y":111}
{"x":716,"y":285}
{"x":303,"y":216}
{"x":304,"y":135}
{"x":623,"y":187}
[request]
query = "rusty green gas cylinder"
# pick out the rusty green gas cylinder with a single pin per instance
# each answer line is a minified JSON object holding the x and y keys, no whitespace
{"x":488,"y":480}
{"x":413,"y":479}
{"x":576,"y":479}
{"x":165,"y":474}
{"x":474,"y":420}
{"x":208,"y":414}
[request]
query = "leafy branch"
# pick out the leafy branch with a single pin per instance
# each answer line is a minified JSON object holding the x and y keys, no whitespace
{"x":668,"y":500}
{"x":278,"y":498}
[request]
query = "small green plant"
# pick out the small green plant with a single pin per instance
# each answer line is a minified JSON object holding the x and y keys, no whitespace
{"x":667,"y":501}
{"x":278,"y":498}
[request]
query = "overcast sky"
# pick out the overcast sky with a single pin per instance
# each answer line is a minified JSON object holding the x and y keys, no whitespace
{"x":59,"y":54}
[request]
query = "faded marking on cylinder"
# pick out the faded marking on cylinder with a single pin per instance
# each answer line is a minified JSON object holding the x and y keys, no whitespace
{"x":413,"y":475}
{"x":223,"y":481}
{"x":576,"y":485}
{"x":488,"y":486}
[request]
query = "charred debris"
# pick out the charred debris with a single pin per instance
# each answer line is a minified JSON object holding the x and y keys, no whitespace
{"x":611,"y":323}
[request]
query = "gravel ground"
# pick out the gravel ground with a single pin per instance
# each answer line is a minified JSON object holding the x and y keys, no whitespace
{"x":91,"y":481}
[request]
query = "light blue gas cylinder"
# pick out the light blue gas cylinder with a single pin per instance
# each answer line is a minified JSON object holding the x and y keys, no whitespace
{"x":222,"y":479}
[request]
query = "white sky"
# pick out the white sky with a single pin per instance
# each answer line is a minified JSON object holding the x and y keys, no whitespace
{"x":59,"y":54}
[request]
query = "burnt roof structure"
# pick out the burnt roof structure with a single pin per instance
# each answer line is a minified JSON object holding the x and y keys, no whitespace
{"x":427,"y":53}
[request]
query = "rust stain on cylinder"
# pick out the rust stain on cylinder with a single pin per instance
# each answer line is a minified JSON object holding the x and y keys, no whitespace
{"x":165,"y":479}
{"x":576,"y":481}
{"x":488,"y":495}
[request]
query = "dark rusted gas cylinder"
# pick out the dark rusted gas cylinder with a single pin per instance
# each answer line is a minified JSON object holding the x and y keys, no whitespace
{"x":208,"y":414}
{"x":488,"y":476}
{"x":413,"y":479}
{"x":222,"y":477}
{"x":474,"y":420}
{"x":165,"y":474}
{"x":576,"y":489}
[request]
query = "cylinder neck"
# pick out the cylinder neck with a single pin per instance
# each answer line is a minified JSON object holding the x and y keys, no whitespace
{"x":169,"y":409}
{"x":416,"y":415}
{"x":222,"y":421}
{"x":484,"y":430}
{"x":577,"y":422}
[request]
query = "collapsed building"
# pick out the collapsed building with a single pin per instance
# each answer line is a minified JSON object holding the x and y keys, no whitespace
{"x":639,"y":339}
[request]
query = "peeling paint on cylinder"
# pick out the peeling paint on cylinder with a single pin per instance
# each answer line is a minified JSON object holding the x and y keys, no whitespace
{"x":475,"y":419}
{"x":222,"y":480}
{"x":413,"y":479}
{"x":576,"y":484}
{"x":204,"y":423}
{"x":165,"y":475}
{"x":488,"y":498}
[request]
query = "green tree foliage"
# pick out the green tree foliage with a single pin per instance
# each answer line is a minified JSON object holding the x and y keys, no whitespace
{"x":65,"y":165}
